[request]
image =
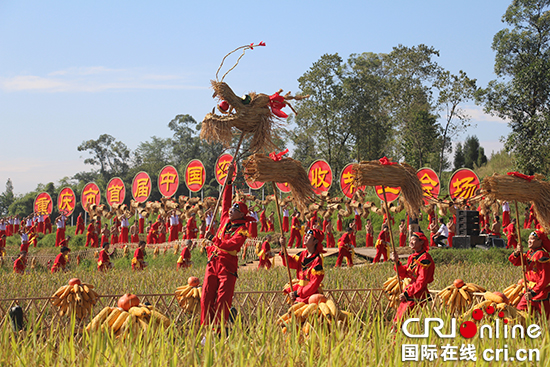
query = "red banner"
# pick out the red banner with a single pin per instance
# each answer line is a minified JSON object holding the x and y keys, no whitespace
{"x":430,"y":183}
{"x":43,"y":204}
{"x":66,"y":201}
{"x":169,"y":181}
{"x":254,"y":185}
{"x":141,"y":187}
{"x":90,"y":195}
{"x":222,"y":164}
{"x":346,"y":181}
{"x":116,"y":191}
{"x":392,"y":193}
{"x":463,"y":184}
{"x":195,"y":175}
{"x":283,"y":187}
{"x":320,"y":176}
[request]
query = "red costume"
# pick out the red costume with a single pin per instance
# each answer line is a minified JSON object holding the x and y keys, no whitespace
{"x":263,"y":222}
{"x":104,"y":261}
{"x":358,"y":222}
{"x":309,"y":271}
{"x":532,"y":217}
{"x":90,"y":235}
{"x":79,"y":225}
{"x":185,"y":258}
{"x":339,"y":225}
{"x":253,"y":228}
{"x":330,"y":240}
{"x":47,"y":225}
{"x":510,"y":231}
{"x":382,"y":246}
{"x":59,"y":263}
{"x":19,"y":266}
{"x":295,"y":233}
{"x":221,"y":269}
{"x":345,"y":249}
{"x":138,"y":262}
{"x":285,"y":222}
{"x":141,"y":224}
{"x":264,"y":256}
{"x":420,"y":268}
{"x":537,"y":265}
{"x":191,"y":229}
{"x":134,"y":238}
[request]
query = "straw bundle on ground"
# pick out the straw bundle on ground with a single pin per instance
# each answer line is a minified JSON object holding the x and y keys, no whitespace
{"x":511,"y":188}
{"x":372,"y":173}
{"x":260,"y":167}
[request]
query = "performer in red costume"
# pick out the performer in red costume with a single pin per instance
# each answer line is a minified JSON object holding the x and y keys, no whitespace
{"x":263,"y":222}
{"x":90,"y":235}
{"x":357,"y":218}
{"x":295,"y":230}
{"x":339,"y":224}
{"x":330,"y":235}
{"x":308,"y":265}
{"x":402,"y":233}
{"x":537,"y":266}
{"x":138,"y":262}
{"x":184,"y":260}
{"x":382,"y":244}
{"x":60,"y":262}
{"x":345,"y":247}
{"x":104,"y":260}
{"x":221,"y":269}
{"x":124,"y":229}
{"x":511,"y":234}
{"x":285,"y":219}
{"x":141,"y":222}
{"x":20,"y":263}
{"x":174,"y":221}
{"x":79,"y":225}
{"x":265,"y":254}
{"x":420,"y":268}
{"x":191,"y":230}
{"x":369,"y":237}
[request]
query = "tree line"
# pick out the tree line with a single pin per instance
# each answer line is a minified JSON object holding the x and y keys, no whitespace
{"x":402,"y":104}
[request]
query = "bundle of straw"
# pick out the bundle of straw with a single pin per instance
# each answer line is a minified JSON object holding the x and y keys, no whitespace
{"x":372,"y":173}
{"x":254,"y":117}
{"x":511,"y":188}
{"x":260,"y":167}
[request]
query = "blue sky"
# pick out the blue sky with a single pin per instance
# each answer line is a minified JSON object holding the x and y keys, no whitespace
{"x":70,"y":71}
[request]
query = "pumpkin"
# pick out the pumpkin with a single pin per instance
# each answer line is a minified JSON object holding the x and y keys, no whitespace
{"x":193,"y":281}
{"x":458,"y":283}
{"x":128,"y":301}
{"x":74,"y":281}
{"x":317,"y":298}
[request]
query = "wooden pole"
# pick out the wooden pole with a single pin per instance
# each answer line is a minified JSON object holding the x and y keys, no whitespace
{"x":396,"y":260}
{"x":215,"y":212}
{"x":521,"y":248}
{"x":285,"y":253}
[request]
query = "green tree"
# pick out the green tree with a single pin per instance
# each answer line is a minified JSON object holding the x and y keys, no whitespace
{"x":110,"y":155}
{"x":7,"y":198}
{"x":459,"y":159}
{"x":521,"y":92}
{"x":420,"y":136}
{"x":473,"y":152}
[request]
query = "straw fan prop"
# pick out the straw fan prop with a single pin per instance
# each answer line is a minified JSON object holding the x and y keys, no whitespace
{"x":391,"y":174}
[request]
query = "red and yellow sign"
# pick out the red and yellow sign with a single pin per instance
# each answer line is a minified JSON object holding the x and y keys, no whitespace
{"x":463,"y":184}
{"x":90,"y":195}
{"x":141,"y":187}
{"x":169,"y":181}
{"x":66,"y":201}
{"x":320,"y":176}
{"x":392,"y":193}
{"x":254,"y":185}
{"x":222,"y":164}
{"x":283,"y":187}
{"x":43,"y":204}
{"x":195,"y":175}
{"x":430,"y":183}
{"x":346,"y":181}
{"x":116,"y":191}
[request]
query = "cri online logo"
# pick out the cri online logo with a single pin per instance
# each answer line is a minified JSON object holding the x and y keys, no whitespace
{"x":469,"y":329}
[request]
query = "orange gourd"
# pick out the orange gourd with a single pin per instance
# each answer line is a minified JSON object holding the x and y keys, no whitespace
{"x":458,"y":283}
{"x":317,"y":298}
{"x":128,"y":301}
{"x":193,"y":281}
{"x":74,"y":281}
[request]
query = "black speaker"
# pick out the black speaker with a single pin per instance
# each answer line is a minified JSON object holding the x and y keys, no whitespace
{"x":467,"y":223}
{"x":467,"y":241}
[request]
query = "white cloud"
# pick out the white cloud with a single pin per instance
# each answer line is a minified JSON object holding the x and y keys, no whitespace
{"x":478,"y":115}
{"x":94,"y":79}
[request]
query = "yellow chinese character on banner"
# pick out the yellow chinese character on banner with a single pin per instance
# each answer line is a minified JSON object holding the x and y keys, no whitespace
{"x":194,"y":176}
{"x":318,"y":178}
{"x":464,"y":188}
{"x":222,"y":169}
{"x":142,"y":189}
{"x":114,"y":193}
{"x":348,"y":180}
{"x":65,"y":204}
{"x":42,"y":205}
{"x":90,"y":195}
{"x":167,"y":179}
{"x":428,"y":184}
{"x":389,"y":190}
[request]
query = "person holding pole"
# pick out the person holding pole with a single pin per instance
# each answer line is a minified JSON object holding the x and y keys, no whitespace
{"x":221,"y":269}
{"x":420,"y":269}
